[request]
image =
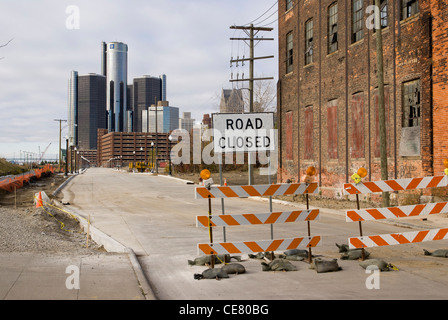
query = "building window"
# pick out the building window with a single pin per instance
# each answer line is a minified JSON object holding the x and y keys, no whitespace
{"x":411,"y":104}
{"x":309,"y":42}
{"x":383,"y":13}
{"x":357,"y":20}
{"x":408,"y":8}
{"x":288,"y":4}
{"x":289,"y":52}
{"x":333,"y":28}
{"x":308,"y":134}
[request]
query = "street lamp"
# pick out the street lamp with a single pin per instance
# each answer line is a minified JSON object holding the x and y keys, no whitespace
{"x":152,"y":156}
{"x":169,"y":153}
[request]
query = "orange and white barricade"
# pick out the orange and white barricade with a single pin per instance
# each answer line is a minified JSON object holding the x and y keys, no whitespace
{"x":227,"y":220}
{"x":361,"y":215}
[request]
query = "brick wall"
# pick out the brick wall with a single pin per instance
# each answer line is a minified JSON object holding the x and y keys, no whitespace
{"x":348,"y":79}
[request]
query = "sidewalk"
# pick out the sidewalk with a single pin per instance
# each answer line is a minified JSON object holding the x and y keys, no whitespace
{"x":112,"y":275}
{"x":104,"y":276}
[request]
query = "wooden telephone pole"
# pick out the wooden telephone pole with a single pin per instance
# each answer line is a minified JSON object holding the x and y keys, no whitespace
{"x":60,"y":152}
{"x":251,"y":32}
{"x":381,"y":104}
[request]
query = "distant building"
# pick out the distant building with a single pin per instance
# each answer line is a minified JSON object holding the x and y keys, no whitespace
{"x":186,"y":122}
{"x":167,"y":118}
{"x":207,"y":121}
{"x":163,"y":78}
{"x":116,"y":70}
{"x":72,"y":108}
{"x":86,"y":110}
{"x":231,"y":101}
{"x":146,"y":91}
{"x":91,"y":109}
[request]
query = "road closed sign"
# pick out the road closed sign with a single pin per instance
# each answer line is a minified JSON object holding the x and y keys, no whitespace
{"x":243,"y":132}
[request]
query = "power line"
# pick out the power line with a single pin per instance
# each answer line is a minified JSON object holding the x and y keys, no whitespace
{"x":262,"y":14}
{"x":297,"y":2}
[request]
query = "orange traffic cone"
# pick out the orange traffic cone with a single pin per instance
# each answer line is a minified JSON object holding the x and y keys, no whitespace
{"x":225,"y":182}
{"x":39,"y":200}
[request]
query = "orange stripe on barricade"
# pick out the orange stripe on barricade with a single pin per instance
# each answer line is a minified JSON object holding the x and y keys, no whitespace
{"x":252,"y":219}
{"x":251,"y":191}
{"x":273,"y":218}
{"x":414,"y":183}
{"x":257,"y":219}
{"x":258,"y":246}
{"x":253,"y":246}
{"x":229,"y":220}
{"x":228,"y":192}
{"x":271,"y":190}
{"x":204,"y":193}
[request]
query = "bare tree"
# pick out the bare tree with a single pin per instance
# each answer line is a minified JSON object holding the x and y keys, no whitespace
{"x":265,"y":94}
{"x":4,"y":45}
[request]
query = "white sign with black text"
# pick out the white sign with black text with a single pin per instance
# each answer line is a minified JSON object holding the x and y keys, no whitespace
{"x":243,"y":132}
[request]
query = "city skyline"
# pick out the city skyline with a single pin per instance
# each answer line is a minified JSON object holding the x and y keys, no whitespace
{"x":187,"y":41}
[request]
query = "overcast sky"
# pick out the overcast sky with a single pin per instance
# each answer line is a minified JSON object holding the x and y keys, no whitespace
{"x":188,"y":40}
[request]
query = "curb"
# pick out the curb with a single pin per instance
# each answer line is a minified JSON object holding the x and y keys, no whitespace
{"x":112,"y":245}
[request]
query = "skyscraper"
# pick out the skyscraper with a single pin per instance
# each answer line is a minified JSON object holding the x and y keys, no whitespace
{"x":163,"y":78}
{"x":117,"y":74}
{"x":147,"y":91}
{"x":86,"y":109}
{"x":72,"y":108}
{"x":91,"y":109}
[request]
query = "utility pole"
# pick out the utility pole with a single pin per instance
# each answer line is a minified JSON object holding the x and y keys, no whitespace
{"x":60,"y":129}
{"x":251,"y":32}
{"x":381,"y":104}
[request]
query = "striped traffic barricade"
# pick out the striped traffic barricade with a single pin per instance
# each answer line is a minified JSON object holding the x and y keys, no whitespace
{"x":219,"y":192}
{"x":361,"y":215}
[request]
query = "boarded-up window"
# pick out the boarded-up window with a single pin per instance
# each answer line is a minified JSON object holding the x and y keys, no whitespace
{"x":332,"y":129}
{"x":411,"y":104}
{"x":357,"y":110}
{"x":410,"y":131}
{"x":288,"y":132}
{"x":376,"y":138}
{"x":309,"y":124}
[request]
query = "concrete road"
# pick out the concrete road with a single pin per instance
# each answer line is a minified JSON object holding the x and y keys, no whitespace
{"x":155,"y":216}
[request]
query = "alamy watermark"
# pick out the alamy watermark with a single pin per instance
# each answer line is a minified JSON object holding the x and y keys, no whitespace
{"x":373,"y":280}
{"x":72,"y":22}
{"x":72,"y":281}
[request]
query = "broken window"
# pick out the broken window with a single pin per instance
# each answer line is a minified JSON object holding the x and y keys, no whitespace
{"x":411,"y":104}
{"x":383,"y":13}
{"x":408,"y":8}
{"x":309,"y":42}
{"x":289,"y":52}
{"x":288,"y":4}
{"x":357,"y":20}
{"x":333,"y":28}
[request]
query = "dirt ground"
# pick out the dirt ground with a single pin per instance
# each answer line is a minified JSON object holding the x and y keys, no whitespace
{"x":25,"y":228}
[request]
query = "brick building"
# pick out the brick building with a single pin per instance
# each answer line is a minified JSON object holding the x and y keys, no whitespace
{"x":327,"y":89}
{"x":122,"y":148}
